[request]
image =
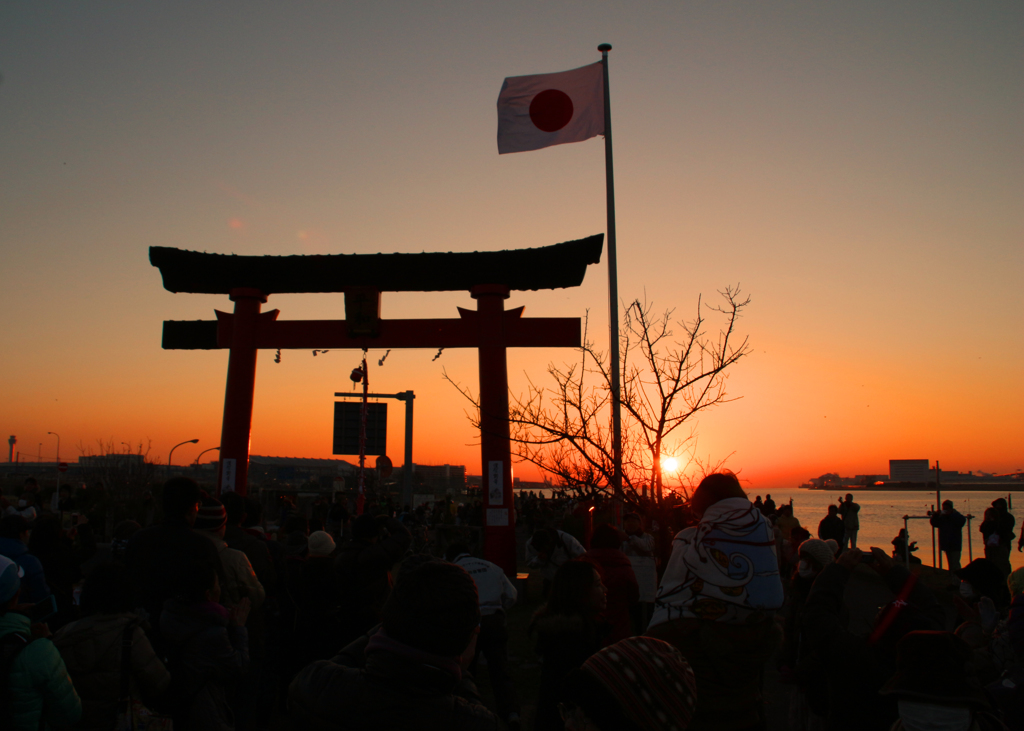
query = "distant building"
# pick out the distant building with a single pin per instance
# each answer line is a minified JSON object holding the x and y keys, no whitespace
{"x":909,"y":470}
{"x":327,"y":474}
{"x":442,"y":480}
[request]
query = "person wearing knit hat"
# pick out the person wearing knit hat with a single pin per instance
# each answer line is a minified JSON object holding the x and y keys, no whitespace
{"x":239,"y":578}
{"x":320,"y":543}
{"x":815,"y":555}
{"x":637,"y":684}
{"x":319,"y":633}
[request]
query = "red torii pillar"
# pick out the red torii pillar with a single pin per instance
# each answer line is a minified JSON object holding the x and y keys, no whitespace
{"x":495,"y":437}
{"x":239,"y":392}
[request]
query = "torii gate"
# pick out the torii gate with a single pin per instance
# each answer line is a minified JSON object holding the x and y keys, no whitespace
{"x":487,"y":276}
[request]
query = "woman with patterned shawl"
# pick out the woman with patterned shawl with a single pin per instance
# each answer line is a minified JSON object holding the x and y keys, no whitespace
{"x":717,"y":603}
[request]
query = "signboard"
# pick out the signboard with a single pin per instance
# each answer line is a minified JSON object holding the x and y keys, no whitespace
{"x":495,"y":486}
{"x":909,"y":470}
{"x":497,"y":516}
{"x":346,"y":428}
{"x":62,"y":467}
{"x":227,"y":474}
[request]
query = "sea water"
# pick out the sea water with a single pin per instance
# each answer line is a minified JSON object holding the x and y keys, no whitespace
{"x":881,"y":516}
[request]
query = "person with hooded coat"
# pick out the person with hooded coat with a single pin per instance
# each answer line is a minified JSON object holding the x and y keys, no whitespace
{"x":37,"y":690}
{"x":14,"y":538}
{"x":717,"y":603}
{"x":93,"y":649}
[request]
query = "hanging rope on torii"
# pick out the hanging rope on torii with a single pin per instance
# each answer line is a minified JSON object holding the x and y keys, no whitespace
{"x":489,"y":277}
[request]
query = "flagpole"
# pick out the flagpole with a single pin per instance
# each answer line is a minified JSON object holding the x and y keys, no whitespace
{"x":613,"y":286}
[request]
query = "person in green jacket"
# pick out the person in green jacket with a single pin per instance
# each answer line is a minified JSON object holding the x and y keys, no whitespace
{"x":38,"y":691}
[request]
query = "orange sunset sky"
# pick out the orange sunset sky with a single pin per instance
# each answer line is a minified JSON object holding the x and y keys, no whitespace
{"x":858,"y":168}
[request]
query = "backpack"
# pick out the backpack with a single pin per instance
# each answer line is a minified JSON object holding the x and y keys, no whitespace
{"x":11,"y":646}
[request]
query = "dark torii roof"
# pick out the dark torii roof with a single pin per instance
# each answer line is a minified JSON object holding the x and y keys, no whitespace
{"x":548,"y":267}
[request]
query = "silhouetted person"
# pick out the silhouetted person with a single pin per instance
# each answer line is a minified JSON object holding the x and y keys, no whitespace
{"x":951,"y":536}
{"x":617,"y":575}
{"x":93,"y":648}
{"x":62,"y":561}
{"x":548,"y":549}
{"x":992,"y":533}
{"x":768,"y":508}
{"x":850,"y":668}
{"x":36,"y":690}
{"x":904,"y":552}
{"x":639,"y":546}
{"x":831,"y":526}
{"x":14,"y":537}
{"x":848,"y":511}
{"x":410,"y":672}
{"x":496,"y":596}
{"x":363,"y":569}
{"x":162,"y":559}
{"x":209,"y":650}
{"x":569,"y":630}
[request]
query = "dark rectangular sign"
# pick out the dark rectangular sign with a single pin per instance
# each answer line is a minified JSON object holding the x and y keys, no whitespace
{"x":346,"y":428}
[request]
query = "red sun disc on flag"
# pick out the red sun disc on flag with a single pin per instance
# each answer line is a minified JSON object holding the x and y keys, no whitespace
{"x":551,"y":110}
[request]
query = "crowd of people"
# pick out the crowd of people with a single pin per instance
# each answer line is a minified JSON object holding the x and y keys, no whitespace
{"x":202,"y":620}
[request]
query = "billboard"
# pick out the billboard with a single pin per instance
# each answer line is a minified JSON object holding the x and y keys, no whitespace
{"x":909,"y":470}
{"x":346,"y":428}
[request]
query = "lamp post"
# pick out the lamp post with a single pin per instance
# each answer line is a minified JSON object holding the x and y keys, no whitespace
{"x":171,"y":455}
{"x":196,"y":463}
{"x":53,"y":433}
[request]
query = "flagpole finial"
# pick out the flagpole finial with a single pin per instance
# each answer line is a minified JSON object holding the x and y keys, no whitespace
{"x":604,"y":47}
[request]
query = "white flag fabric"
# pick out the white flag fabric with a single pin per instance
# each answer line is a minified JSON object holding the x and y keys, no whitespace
{"x":550,"y":109}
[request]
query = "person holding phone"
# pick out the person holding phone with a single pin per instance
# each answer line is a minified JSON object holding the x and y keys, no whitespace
{"x":38,"y":688}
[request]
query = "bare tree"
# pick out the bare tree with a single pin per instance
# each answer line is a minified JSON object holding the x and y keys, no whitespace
{"x":666,"y":381}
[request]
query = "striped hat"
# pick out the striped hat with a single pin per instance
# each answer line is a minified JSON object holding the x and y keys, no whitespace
{"x":649,"y":680}
{"x":212,"y":514}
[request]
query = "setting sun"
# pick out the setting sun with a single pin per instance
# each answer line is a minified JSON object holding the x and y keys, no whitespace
{"x":669,"y":464}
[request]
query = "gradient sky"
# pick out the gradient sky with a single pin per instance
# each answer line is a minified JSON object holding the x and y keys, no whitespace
{"x":857,"y":167}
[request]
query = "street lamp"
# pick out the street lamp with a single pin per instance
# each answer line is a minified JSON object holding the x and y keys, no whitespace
{"x":58,"y":458}
{"x":196,"y":463}
{"x":58,"y":444}
{"x":171,"y":455}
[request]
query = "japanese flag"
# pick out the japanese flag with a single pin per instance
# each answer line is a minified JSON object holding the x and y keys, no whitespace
{"x":550,"y":109}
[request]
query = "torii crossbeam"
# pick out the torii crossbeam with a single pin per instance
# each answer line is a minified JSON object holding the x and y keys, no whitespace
{"x":487,"y":276}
